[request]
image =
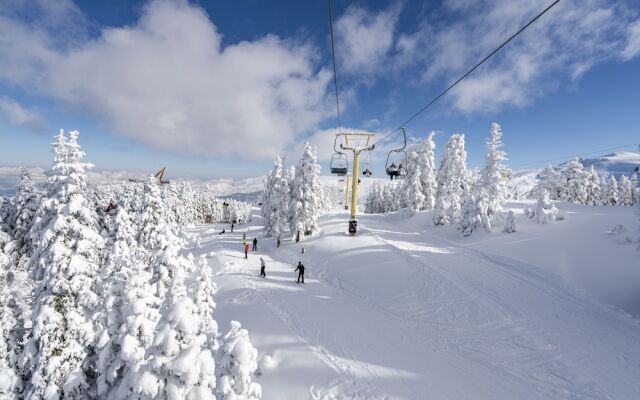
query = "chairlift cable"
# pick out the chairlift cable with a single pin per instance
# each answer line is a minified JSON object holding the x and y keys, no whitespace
{"x":470,"y":71}
{"x":333,"y":57}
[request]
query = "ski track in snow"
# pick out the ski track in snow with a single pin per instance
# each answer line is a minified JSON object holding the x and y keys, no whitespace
{"x":505,"y":327}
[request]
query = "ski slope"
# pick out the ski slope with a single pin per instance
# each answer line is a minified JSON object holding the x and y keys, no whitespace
{"x":402,"y":311}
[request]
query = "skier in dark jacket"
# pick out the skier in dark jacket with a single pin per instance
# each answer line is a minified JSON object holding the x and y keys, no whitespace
{"x":232,"y":224}
{"x":262,"y":266}
{"x":255,"y":244}
{"x":300,"y":268}
{"x":278,"y":242}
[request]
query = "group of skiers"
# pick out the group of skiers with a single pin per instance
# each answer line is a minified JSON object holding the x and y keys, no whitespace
{"x":395,"y":172}
{"x":299,"y":268}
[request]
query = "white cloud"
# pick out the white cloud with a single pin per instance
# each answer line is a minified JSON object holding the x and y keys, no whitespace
{"x":364,"y":39}
{"x":166,"y":81}
{"x":632,"y":48}
{"x":562,"y":45}
{"x":17,"y":114}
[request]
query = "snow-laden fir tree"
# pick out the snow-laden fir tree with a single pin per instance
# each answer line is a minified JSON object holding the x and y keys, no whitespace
{"x":474,"y":213}
{"x":427,"y":163}
{"x":412,"y":187}
{"x":573,"y":182}
{"x":275,"y":203}
{"x":203,"y":293}
{"x":8,"y":346}
{"x":625,"y":192}
{"x":117,"y":273}
{"x":593,"y":187}
{"x":180,"y":362}
{"x":451,"y":180}
{"x":238,"y":361}
{"x":153,"y":218}
{"x":493,"y":177}
{"x":610,"y":194}
{"x":26,"y":204}
{"x":549,"y":180}
{"x":65,"y":265}
{"x":306,"y":194}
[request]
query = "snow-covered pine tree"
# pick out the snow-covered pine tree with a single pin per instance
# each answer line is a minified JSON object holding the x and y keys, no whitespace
{"x":275,"y":205}
{"x":182,"y":365}
{"x":427,"y":162}
{"x":593,"y":187}
{"x":573,"y":182}
{"x":549,"y":180}
{"x":412,"y":188}
{"x":26,"y":203}
{"x":469,"y":215}
{"x":120,"y":267}
{"x":8,"y":346}
{"x":451,"y":180}
{"x":610,"y":194}
{"x":237,"y":363}
{"x":153,"y":217}
{"x":625,"y":192}
{"x":203,"y":293}
{"x":65,"y":265}
{"x":306,"y":194}
{"x":493,"y":176}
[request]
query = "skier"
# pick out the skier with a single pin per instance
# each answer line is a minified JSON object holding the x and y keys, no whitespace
{"x":221,"y":232}
{"x":392,"y":170}
{"x":302,"y":250}
{"x":246,"y":251}
{"x":300,"y":268}
{"x":262,"y":274}
{"x":232,"y":226}
{"x":255,"y":244}
{"x":244,"y":235}
{"x":278,"y":242}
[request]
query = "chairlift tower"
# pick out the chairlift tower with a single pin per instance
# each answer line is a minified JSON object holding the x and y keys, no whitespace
{"x":357,"y":143}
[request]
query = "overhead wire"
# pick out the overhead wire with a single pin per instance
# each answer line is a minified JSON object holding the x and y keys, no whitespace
{"x":513,"y":36}
{"x":333,"y":57}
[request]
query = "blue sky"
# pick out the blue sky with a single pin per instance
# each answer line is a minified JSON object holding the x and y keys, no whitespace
{"x":217,"y":89}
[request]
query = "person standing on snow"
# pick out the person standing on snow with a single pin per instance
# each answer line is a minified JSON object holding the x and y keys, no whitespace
{"x":255,"y":244}
{"x":262,"y":266}
{"x":246,"y":251}
{"x":278,"y":242}
{"x":300,"y":268}
{"x":232,"y":227}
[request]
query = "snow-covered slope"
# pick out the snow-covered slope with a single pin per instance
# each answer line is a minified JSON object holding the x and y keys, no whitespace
{"x":404,"y":310}
{"x":619,"y":163}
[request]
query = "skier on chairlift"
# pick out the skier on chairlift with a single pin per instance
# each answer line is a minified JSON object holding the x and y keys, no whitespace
{"x":392,"y":171}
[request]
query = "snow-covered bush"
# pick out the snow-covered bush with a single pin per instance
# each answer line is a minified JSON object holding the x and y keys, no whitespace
{"x":544,"y":209}
{"x":509,"y":222}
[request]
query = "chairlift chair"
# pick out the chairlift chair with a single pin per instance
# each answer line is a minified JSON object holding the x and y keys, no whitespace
{"x":400,"y":170}
{"x":339,"y":164}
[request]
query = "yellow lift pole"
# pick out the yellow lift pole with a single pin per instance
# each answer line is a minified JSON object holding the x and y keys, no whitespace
{"x":356,"y":142}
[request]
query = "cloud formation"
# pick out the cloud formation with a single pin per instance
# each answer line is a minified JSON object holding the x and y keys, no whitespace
{"x":17,"y":114}
{"x":365,"y":38}
{"x":562,"y":45}
{"x":166,"y":81}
